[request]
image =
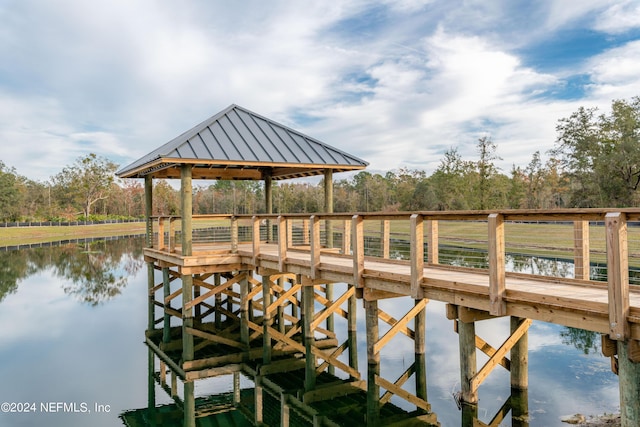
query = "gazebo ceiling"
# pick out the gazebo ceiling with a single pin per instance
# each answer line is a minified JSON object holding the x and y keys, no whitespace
{"x":239,"y":144}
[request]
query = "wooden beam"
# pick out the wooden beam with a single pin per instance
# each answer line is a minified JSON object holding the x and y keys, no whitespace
{"x":387,"y":385}
{"x":482,"y":374}
{"x":617,"y":275}
{"x":332,"y":308}
{"x":497,"y":287}
{"x":421,"y":304}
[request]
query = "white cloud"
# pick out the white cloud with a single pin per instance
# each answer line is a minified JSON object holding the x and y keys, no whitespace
{"x":615,"y":74}
{"x":621,"y":16}
{"x":395,"y":82}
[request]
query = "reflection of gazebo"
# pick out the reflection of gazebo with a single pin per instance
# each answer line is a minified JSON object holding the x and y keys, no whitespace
{"x":238,"y":144}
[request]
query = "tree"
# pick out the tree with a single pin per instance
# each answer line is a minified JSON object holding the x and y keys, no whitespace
{"x":9,"y":194}
{"x":85,"y":182}
{"x":487,"y":171}
{"x":602,"y":154}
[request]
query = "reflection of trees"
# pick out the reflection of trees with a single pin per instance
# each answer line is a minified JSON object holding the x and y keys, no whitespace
{"x":587,"y":341}
{"x":95,"y":272}
{"x":13,"y":267}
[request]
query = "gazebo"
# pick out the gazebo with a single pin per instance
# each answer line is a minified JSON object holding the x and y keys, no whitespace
{"x":238,"y":144}
{"x":234,"y":144}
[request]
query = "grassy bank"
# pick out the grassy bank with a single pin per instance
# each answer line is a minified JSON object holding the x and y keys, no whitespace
{"x":13,"y":236}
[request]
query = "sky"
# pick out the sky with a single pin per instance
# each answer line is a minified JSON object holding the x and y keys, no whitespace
{"x":394,"y":82}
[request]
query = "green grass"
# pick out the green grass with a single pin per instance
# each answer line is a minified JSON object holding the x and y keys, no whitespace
{"x":13,"y":236}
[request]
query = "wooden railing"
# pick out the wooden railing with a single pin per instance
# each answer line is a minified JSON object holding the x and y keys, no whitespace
{"x":589,"y":234}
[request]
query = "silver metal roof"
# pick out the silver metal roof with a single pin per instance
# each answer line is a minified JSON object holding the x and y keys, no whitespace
{"x":239,"y":144}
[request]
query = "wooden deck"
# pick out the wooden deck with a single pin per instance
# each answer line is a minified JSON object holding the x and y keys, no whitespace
{"x":570,"y":302}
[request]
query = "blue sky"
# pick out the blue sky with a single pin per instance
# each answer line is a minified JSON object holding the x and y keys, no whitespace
{"x":395,"y":82}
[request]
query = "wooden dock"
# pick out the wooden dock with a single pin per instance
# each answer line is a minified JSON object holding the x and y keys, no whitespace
{"x":255,"y":289}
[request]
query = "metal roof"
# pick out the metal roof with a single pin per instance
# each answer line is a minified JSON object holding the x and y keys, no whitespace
{"x":239,"y":144}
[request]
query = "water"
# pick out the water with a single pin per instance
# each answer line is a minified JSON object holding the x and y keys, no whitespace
{"x":73,"y":320}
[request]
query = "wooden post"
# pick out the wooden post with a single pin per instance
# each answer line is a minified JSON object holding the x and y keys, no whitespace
{"x":308,"y":301}
{"x":352,"y":328}
{"x":581,"y":259}
{"x":328,"y":204}
{"x":617,"y":275}
{"x":189,"y":403}
{"x":151,"y":384}
{"x":268,"y":196}
{"x":255,"y":239}
{"x":160,"y":245}
{"x":497,"y":288}
{"x":267,"y":319}
{"x":346,"y":238}
{"x":629,"y":383}
{"x":166,"y":284}
{"x":417,"y":255}
{"x":420,"y":353}
{"x":385,"y":231}
{"x":284,"y":410}
{"x":259,"y":404}
{"x":234,"y":234}
{"x":330,"y":324}
{"x":315,"y":247}
{"x":244,"y":309}
{"x":218,"y":299}
{"x":148,"y":209}
{"x":468,"y":367}
{"x":305,"y":231}
{"x":519,"y":358}
{"x":519,"y":408}
{"x":432,"y":243}
{"x":186,"y":191}
{"x":357,"y":229}
{"x":236,"y":389}
{"x":148,"y":199}
{"x":282,"y":328}
{"x":282,"y":242}
{"x":373,"y":363}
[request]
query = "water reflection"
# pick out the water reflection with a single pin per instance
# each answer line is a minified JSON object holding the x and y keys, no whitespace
{"x":93,"y":271}
{"x":74,"y":339}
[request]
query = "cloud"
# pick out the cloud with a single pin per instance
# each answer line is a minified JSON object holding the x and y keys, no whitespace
{"x":395,"y":82}
{"x":619,"y":17}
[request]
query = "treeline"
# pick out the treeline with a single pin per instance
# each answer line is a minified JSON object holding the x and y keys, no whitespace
{"x":595,"y":163}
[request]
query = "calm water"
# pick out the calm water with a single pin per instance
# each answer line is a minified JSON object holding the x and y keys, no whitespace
{"x":73,"y":320}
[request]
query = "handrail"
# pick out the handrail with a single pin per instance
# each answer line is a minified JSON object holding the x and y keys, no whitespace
{"x":424,"y":228}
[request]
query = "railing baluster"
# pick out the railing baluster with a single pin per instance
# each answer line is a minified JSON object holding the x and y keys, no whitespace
{"x":282,"y":241}
{"x":160,"y":244}
{"x":315,"y":247}
{"x":384,"y":243}
{"x":581,"y":259}
{"x":255,"y":239}
{"x":346,"y":237}
{"x":234,"y":234}
{"x":432,"y":245}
